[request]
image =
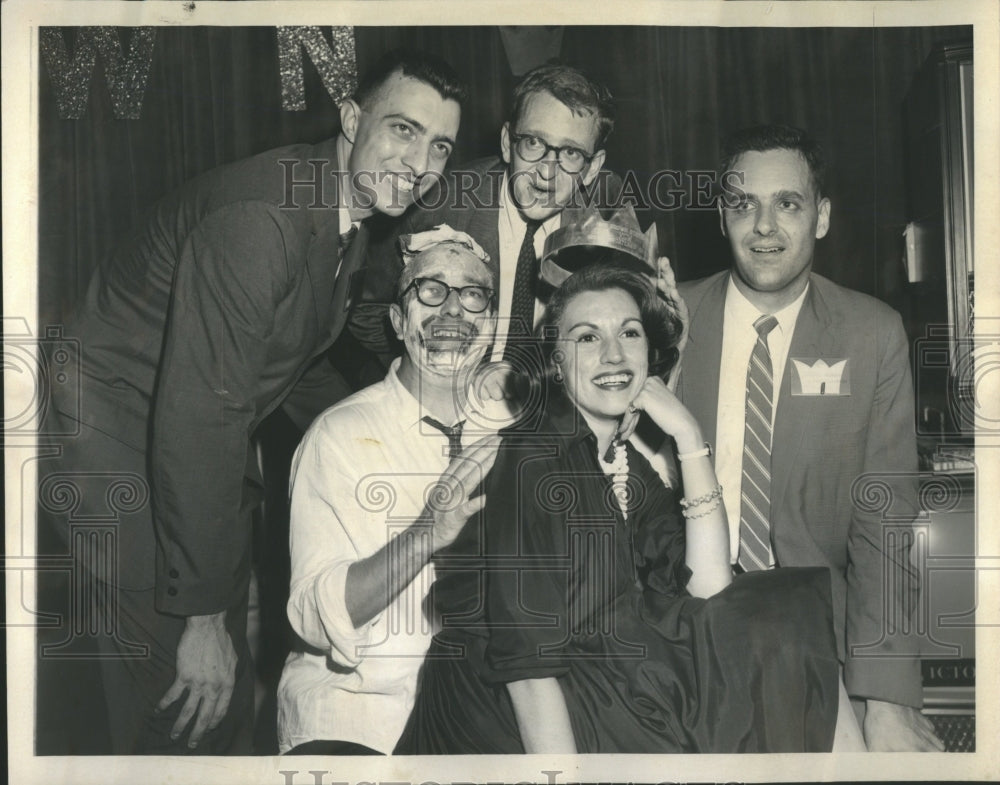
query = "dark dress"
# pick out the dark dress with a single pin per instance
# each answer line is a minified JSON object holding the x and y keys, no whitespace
{"x":552,"y":581}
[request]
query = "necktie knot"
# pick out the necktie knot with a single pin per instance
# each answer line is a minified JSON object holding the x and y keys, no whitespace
{"x":764,"y":325}
{"x":453,"y":432}
{"x":347,"y":237}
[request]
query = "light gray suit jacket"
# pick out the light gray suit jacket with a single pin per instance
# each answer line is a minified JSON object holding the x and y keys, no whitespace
{"x":823,"y":446}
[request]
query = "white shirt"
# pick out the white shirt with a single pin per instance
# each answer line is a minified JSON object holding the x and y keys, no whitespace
{"x":359,"y":476}
{"x":344,"y":219}
{"x":738,"y":339}
{"x":510,"y":234}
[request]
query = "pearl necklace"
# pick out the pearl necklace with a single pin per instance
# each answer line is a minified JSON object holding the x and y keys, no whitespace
{"x":618,"y":469}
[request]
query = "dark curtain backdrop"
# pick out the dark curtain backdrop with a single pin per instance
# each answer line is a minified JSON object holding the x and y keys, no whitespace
{"x":213,"y":96}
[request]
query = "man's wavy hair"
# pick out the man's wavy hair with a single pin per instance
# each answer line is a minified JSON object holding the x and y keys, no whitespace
{"x":571,"y":87}
{"x":763,"y":138}
{"x":659,"y":317}
{"x":425,"y":67}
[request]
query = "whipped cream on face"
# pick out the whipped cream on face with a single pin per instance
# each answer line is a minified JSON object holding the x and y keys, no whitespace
{"x":448,"y":332}
{"x":447,"y":344}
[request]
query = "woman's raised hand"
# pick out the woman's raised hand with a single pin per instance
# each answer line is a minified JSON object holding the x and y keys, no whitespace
{"x":669,"y":414}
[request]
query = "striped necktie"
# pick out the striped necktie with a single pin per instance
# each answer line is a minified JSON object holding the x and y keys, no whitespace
{"x":454,"y":434}
{"x":755,"y":500}
{"x":522,"y":307}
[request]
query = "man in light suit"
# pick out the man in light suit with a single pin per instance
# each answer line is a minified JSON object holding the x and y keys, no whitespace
{"x":198,"y":326}
{"x":552,"y":151}
{"x":837,"y":403}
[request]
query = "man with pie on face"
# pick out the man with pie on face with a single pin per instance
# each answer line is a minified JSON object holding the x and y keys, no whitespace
{"x":804,"y":389}
{"x":380,"y":482}
{"x":209,"y":317}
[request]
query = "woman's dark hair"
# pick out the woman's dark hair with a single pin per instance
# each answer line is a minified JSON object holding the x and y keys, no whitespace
{"x":659,"y":317}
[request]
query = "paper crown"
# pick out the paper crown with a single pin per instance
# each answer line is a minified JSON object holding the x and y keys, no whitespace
{"x":620,"y":233}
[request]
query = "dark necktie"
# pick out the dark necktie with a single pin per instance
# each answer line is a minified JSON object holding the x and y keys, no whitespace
{"x":454,"y":434}
{"x":346,"y":238}
{"x":755,"y":496}
{"x":522,"y":307}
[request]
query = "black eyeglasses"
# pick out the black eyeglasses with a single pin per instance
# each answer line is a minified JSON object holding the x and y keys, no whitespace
{"x":533,"y":148}
{"x":431,"y":291}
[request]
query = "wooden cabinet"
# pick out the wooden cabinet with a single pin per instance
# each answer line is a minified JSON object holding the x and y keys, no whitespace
{"x":938,"y":154}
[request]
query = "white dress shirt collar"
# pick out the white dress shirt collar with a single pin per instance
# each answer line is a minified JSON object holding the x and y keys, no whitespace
{"x":741,"y":311}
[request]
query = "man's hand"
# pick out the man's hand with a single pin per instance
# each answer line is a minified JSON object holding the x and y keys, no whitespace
{"x":666,"y":285}
{"x":450,"y":505}
{"x":498,"y":393}
{"x":206,"y":668}
{"x":500,"y":382}
{"x":373,"y":582}
{"x":890,"y":727}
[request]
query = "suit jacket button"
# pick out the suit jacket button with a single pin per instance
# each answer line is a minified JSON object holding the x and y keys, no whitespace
{"x":174,"y":574}
{"x":172,"y":591}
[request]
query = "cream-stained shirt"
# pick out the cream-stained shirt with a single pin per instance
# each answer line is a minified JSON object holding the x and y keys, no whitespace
{"x":738,"y":339}
{"x":359,"y":477}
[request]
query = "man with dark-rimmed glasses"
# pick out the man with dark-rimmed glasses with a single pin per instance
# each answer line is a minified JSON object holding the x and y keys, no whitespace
{"x":380,"y":482}
{"x":552,"y":153}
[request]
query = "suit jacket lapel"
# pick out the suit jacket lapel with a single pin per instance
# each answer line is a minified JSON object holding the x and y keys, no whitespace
{"x":699,"y":383}
{"x":350,"y":280}
{"x":324,"y":247}
{"x":480,"y":211}
{"x":483,"y":220}
{"x":336,"y":282}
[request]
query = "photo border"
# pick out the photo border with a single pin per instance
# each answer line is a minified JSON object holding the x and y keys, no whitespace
{"x":20,"y":63}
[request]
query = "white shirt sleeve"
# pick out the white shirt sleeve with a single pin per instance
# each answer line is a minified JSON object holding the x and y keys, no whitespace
{"x":323,"y":510}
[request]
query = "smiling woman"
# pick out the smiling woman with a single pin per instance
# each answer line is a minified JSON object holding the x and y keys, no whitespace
{"x":605,"y":362}
{"x":595,"y":607}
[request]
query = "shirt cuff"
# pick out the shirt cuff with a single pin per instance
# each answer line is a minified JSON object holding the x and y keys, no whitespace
{"x":345,"y":642}
{"x":891,"y":679}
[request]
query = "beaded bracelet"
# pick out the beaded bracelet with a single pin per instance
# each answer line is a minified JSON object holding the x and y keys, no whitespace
{"x":715,"y":494}
{"x":703,"y":513}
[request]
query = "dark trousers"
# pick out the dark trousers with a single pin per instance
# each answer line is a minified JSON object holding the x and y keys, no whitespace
{"x":133,"y":686}
{"x":328,"y":747}
{"x":94,"y":502}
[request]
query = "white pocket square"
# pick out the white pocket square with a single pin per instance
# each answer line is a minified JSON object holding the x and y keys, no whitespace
{"x":818,"y":377}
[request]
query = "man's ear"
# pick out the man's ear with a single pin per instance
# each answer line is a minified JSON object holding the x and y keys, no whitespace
{"x":505,"y":142}
{"x":722,"y":217}
{"x":350,"y":117}
{"x":396,"y":318}
{"x":823,"y":220}
{"x":595,"y":165}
